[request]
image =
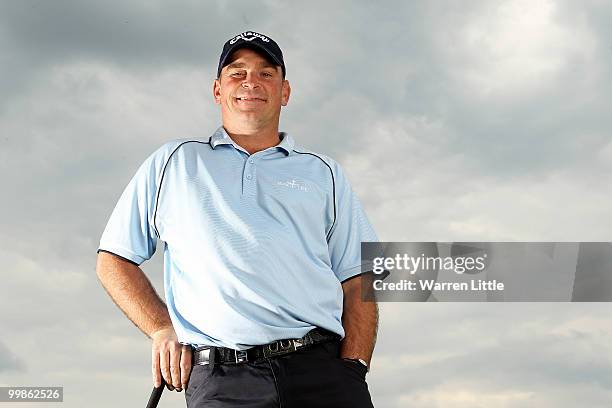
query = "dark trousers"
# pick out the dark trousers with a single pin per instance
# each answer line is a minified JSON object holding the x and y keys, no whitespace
{"x":315,"y":378}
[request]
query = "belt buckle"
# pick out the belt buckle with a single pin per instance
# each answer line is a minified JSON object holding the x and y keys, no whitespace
{"x":241,"y":356}
{"x":202,"y":357}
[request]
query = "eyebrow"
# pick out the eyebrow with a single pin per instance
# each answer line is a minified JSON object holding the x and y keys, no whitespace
{"x":265,"y":64}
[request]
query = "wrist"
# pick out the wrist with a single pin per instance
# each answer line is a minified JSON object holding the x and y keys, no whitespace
{"x":359,"y":361}
{"x":162,"y":329}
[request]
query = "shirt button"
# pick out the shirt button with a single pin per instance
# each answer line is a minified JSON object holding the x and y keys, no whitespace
{"x":249,"y":176}
{"x":251,"y":161}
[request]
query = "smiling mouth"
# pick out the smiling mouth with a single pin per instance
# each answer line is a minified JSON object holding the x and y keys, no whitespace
{"x":247,"y":99}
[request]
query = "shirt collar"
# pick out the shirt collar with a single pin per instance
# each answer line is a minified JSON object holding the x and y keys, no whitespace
{"x":222,"y":137}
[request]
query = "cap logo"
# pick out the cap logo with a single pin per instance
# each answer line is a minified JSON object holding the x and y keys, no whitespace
{"x":249,"y":36}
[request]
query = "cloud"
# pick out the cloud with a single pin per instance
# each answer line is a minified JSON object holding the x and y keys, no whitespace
{"x":141,"y":36}
{"x":506,"y":355}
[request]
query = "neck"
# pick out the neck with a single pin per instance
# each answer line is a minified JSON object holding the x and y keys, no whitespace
{"x":253,"y":140}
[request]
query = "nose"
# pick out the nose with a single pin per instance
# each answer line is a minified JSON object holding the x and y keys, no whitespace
{"x":250,"y":85}
{"x":250,"y":82}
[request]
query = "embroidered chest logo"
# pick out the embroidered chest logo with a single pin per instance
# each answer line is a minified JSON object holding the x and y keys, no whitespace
{"x":294,"y":184}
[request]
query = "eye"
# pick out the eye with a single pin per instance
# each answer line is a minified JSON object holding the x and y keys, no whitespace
{"x":237,"y":74}
{"x":267,"y":74}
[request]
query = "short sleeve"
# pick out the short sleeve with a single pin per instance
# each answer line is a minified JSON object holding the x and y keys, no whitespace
{"x":130,"y":231}
{"x":351,"y":227}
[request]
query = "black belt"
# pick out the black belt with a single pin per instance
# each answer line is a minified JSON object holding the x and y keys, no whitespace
{"x":222,"y":355}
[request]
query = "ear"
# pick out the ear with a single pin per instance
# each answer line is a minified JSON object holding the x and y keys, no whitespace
{"x":217,"y":91}
{"x":285,"y":92}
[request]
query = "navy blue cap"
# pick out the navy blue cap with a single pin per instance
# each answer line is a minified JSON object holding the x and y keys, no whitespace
{"x":253,"y":40}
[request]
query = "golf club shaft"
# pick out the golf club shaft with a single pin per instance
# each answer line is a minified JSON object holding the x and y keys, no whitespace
{"x":156,"y":395}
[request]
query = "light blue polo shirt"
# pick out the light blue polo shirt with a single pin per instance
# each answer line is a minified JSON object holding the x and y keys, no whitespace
{"x":255,"y":246}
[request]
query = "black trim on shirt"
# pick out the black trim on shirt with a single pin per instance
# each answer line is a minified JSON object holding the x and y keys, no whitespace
{"x":162,"y":179}
{"x":119,"y":256}
{"x":334,"y":189}
{"x":354,"y":276}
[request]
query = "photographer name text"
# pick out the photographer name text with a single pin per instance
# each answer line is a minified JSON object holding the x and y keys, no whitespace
{"x":434,"y":286}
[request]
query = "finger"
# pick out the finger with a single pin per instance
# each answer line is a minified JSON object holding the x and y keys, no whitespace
{"x":155,"y":368}
{"x":185,"y":365}
{"x":175,"y":365}
{"x":164,"y":357}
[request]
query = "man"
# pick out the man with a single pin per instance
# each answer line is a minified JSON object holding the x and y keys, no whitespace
{"x":262,"y":265}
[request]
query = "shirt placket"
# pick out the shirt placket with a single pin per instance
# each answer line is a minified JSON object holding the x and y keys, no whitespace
{"x":249,"y":176}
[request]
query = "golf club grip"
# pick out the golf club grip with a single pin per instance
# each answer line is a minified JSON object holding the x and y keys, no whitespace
{"x":156,"y":395}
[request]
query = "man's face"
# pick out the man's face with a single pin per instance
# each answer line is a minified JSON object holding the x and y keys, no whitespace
{"x":251,"y":91}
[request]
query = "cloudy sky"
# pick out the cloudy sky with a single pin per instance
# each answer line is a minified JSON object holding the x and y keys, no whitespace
{"x":457,"y":121}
